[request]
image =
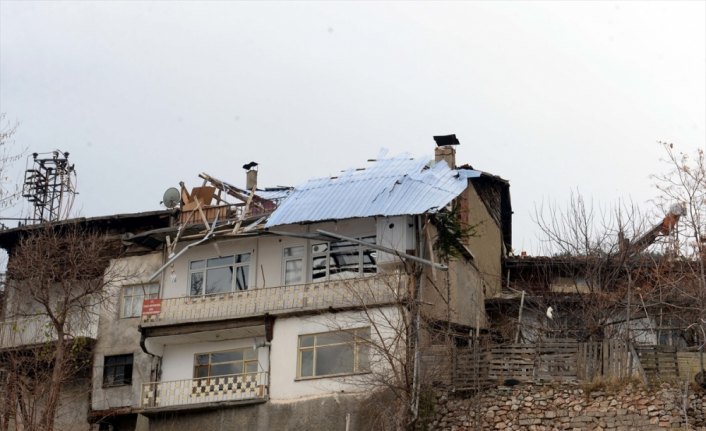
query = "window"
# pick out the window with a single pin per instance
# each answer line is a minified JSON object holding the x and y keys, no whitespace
{"x":334,"y":353}
{"x":342,"y":259}
{"x":133,"y":297}
{"x":293,"y":265}
{"x":241,"y":361}
{"x":219,"y":275}
{"x":117,"y":370}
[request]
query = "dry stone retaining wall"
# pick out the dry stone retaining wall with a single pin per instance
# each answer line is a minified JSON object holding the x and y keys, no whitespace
{"x":569,"y":407}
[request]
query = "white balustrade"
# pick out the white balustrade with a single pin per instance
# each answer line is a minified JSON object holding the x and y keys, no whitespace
{"x":234,"y":387}
{"x":350,"y":292}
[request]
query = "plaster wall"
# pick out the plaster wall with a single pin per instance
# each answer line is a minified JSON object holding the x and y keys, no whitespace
{"x":178,"y":359}
{"x":72,"y":411}
{"x":118,"y":336}
{"x":467,"y":295}
{"x":267,"y":253}
{"x":486,"y":244}
{"x":396,"y":233}
{"x":175,"y":278}
{"x":72,"y":414}
{"x":336,"y":412}
{"x":284,"y":384}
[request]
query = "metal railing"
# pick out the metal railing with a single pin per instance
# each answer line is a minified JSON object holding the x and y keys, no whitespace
{"x":234,"y":387}
{"x":351,"y":292}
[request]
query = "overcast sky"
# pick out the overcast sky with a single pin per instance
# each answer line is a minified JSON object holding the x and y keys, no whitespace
{"x":549,"y":95}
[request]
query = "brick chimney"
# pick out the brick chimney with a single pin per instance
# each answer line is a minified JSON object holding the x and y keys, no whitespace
{"x":250,"y":175}
{"x":445,"y":149}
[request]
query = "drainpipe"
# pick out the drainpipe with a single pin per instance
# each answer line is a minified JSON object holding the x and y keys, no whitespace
{"x":417,"y":320}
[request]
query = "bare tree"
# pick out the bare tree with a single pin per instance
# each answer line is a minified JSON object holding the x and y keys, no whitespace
{"x":623,"y":268}
{"x":57,"y":278}
{"x":401,"y":323}
{"x":8,"y":194}
{"x":684,"y":182}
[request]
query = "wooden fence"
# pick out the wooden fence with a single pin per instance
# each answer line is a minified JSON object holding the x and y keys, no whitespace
{"x":553,"y":360}
{"x":659,"y":362}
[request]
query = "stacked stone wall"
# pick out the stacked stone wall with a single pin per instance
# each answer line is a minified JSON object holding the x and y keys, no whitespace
{"x":572,"y":407}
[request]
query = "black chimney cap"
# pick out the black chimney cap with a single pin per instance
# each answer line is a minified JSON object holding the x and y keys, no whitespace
{"x":444,"y":140}
{"x":249,"y":166}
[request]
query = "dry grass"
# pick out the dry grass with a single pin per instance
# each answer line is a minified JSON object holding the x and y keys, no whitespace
{"x":610,"y":385}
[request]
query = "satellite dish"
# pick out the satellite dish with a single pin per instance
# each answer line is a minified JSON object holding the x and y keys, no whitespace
{"x":171,"y":197}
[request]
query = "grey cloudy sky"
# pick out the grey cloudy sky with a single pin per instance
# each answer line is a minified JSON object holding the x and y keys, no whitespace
{"x":550,"y":95}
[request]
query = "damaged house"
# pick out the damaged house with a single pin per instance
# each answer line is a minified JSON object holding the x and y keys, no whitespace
{"x":284,"y":308}
{"x":634,"y":308}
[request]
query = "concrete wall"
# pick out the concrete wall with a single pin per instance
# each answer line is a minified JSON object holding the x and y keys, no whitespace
{"x":284,"y":384}
{"x":72,"y":414}
{"x":117,"y":336}
{"x":178,"y":359}
{"x":396,"y":233}
{"x":337,"y":412}
{"x":267,"y":252}
{"x":457,"y":295}
{"x":486,"y":244}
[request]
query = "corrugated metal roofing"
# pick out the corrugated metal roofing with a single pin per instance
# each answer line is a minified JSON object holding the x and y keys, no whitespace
{"x":387,"y":187}
{"x":273,"y":194}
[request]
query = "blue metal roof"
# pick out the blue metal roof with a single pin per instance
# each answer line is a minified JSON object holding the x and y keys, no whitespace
{"x":387,"y":187}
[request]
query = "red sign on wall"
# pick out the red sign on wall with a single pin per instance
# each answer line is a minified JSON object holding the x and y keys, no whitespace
{"x":151,"y":306}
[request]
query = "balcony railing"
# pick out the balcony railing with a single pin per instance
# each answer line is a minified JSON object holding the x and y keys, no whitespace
{"x":234,"y":387}
{"x":38,"y":330}
{"x":351,"y":292}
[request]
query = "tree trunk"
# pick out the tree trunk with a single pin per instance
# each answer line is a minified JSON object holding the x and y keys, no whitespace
{"x":55,"y":383}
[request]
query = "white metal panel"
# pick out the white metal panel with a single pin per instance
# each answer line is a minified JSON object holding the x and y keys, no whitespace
{"x":387,"y":187}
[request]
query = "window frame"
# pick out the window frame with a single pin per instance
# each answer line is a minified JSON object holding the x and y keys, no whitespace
{"x":301,"y":257}
{"x":210,"y":363}
{"x":144,"y":294}
{"x":127,"y":371}
{"x":234,"y":264}
{"x":360,"y":340}
{"x":345,"y":247}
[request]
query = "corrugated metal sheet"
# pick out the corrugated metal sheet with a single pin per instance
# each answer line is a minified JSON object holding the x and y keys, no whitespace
{"x":387,"y":187}
{"x":273,"y":194}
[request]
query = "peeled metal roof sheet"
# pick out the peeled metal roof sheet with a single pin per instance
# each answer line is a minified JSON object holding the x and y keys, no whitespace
{"x":387,"y":187}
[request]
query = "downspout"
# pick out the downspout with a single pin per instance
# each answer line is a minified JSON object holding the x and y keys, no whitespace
{"x":417,"y":321}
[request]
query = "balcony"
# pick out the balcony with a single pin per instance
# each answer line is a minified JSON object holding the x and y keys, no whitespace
{"x":38,"y":330}
{"x":346,"y":293}
{"x":197,"y":392}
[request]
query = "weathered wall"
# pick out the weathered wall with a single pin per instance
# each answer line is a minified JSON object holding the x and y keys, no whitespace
{"x":72,"y":413}
{"x":486,"y":244}
{"x":266,"y":259}
{"x":533,"y":407}
{"x":338,"y":412}
{"x":178,"y":359}
{"x":462,"y":284}
{"x":284,"y":384}
{"x":118,"y":336}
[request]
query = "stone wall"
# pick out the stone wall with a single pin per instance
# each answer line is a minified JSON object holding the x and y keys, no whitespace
{"x":570,"y":407}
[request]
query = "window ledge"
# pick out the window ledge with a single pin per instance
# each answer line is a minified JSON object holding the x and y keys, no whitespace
{"x":331,"y":376}
{"x":116,"y":385}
